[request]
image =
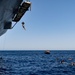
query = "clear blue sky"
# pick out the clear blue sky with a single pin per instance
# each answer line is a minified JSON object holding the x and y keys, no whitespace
{"x":49,"y":25}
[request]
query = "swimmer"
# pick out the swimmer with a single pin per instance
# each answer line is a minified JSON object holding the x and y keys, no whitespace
{"x":62,"y":61}
{"x":73,"y":63}
{"x":70,"y":58}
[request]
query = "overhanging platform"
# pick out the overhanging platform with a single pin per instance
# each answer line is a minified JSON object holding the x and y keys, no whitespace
{"x":21,"y":11}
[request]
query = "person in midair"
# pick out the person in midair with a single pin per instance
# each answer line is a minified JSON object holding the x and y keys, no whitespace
{"x":23,"y":25}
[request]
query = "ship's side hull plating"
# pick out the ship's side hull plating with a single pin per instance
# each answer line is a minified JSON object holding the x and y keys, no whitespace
{"x":7,"y":8}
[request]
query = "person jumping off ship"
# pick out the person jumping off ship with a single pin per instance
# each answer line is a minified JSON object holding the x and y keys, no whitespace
{"x":23,"y":25}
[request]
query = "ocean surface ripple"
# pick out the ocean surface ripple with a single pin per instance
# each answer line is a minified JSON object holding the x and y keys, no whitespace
{"x":37,"y":63}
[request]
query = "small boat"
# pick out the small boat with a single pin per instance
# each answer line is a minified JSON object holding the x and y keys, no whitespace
{"x":47,"y":52}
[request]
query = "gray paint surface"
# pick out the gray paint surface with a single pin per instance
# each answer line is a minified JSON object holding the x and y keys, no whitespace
{"x":6,"y":12}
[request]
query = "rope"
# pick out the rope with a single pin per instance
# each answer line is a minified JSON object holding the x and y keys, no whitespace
{"x":13,"y":25}
{"x":4,"y":42}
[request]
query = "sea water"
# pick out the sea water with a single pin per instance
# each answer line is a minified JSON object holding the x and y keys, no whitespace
{"x":37,"y":62}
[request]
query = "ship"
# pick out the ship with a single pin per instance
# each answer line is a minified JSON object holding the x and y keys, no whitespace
{"x":12,"y":11}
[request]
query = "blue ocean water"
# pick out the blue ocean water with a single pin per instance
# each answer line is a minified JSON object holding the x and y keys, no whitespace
{"x":37,"y":63}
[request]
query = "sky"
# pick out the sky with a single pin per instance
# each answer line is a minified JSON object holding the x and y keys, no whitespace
{"x":49,"y":25}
